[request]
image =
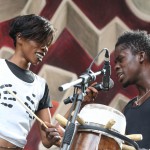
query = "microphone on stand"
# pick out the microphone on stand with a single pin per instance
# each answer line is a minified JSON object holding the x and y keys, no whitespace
{"x":106,"y":83}
{"x":106,"y":71}
{"x":100,"y":86}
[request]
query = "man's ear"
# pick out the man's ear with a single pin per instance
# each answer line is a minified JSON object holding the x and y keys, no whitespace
{"x":142,"y":56}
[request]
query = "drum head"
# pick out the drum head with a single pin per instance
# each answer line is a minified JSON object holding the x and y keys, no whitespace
{"x":101,"y":114}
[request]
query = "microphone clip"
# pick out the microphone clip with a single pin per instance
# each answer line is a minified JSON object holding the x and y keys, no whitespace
{"x":88,"y":76}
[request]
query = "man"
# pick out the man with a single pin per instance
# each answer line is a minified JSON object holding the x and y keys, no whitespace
{"x":132,"y":66}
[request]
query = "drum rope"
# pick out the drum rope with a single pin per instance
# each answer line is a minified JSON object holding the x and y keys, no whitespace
{"x":115,"y":134}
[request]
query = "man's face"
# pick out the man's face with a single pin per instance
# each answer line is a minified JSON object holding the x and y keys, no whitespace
{"x":126,"y":65}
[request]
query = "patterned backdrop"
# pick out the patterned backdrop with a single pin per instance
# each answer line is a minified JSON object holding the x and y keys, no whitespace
{"x":84,"y":27}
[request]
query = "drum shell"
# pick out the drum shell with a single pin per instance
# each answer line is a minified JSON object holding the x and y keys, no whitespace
{"x":91,"y":140}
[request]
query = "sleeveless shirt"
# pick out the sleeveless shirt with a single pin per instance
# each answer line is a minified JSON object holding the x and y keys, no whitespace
{"x":15,"y":120}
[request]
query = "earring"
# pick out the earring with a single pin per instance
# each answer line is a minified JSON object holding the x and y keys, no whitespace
{"x":19,"y":36}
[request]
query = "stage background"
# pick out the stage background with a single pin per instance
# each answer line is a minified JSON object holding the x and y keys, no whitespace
{"x":84,"y":27}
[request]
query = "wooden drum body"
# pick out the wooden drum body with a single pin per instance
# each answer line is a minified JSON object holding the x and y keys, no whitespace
{"x":97,"y":115}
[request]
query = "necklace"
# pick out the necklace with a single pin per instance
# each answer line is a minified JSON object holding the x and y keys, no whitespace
{"x":139,"y":99}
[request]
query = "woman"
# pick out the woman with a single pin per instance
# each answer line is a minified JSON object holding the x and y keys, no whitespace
{"x":32,"y":36}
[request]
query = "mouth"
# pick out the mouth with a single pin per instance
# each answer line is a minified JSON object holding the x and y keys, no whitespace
{"x":120,"y":76}
{"x":40,"y":55}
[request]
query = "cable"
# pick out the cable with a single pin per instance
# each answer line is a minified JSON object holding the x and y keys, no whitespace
{"x":89,"y":68}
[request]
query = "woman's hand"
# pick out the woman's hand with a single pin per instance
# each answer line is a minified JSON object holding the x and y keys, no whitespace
{"x":54,"y":133}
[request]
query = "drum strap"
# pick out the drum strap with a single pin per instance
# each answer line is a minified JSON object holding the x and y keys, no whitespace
{"x":113,"y":133}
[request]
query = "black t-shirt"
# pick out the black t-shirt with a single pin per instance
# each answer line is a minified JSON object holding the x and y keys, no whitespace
{"x":28,"y":76}
{"x":138,"y":121}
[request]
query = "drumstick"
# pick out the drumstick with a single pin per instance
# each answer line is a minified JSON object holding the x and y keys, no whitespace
{"x":17,"y":98}
{"x":62,"y":120}
{"x":79,"y":119}
{"x":109,"y":124}
{"x":127,"y":147}
{"x":135,"y":137}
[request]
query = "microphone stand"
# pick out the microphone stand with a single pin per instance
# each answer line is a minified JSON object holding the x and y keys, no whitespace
{"x":78,"y":98}
{"x":70,"y":129}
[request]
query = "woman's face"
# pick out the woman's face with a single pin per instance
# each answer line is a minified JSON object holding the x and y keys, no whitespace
{"x":126,"y":65}
{"x":33,"y":52}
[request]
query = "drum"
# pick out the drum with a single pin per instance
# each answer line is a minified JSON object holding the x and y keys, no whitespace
{"x":89,"y":137}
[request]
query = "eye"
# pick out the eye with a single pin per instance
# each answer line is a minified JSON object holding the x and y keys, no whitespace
{"x":120,"y":59}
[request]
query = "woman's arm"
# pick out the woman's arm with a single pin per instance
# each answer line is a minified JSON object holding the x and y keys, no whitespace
{"x":51,"y":135}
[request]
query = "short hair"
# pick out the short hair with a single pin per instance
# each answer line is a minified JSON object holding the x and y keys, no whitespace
{"x":136,"y":40}
{"x":31,"y":27}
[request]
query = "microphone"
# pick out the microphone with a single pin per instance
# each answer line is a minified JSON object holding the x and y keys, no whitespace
{"x":100,"y":86}
{"x":106,"y":71}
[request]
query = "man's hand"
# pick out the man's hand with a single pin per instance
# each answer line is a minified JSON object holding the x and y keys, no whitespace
{"x":91,"y":93}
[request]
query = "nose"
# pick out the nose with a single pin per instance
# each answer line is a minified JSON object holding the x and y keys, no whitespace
{"x":117,"y":66}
